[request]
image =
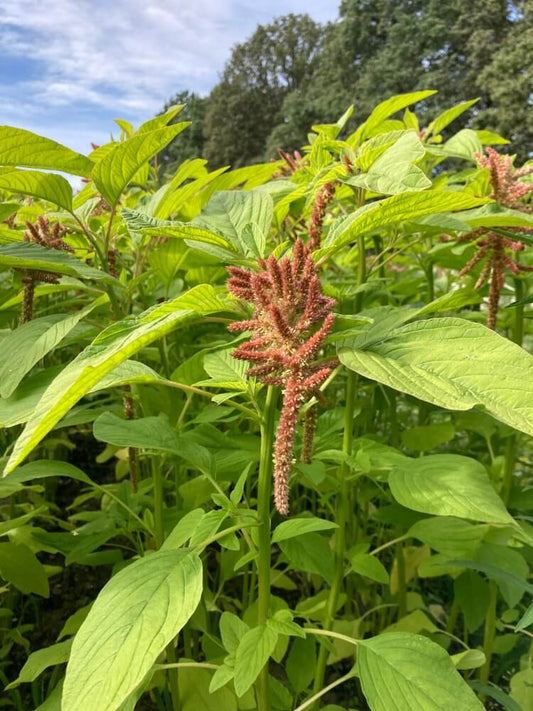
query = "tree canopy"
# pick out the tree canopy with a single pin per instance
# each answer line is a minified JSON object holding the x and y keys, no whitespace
{"x":295,"y":72}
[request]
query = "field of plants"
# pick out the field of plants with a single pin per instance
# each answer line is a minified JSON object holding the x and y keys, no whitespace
{"x":265,"y":432}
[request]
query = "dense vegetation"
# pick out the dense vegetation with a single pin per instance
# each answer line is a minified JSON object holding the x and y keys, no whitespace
{"x":266,"y":431}
{"x":295,"y":72}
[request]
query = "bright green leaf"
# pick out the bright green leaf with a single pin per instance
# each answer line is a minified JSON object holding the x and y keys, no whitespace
{"x":252,"y":654}
{"x":46,"y":186}
{"x":141,"y":610}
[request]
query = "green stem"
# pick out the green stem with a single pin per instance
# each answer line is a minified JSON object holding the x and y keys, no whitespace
{"x":341,"y":518}
{"x":172,"y":668}
{"x":263,"y":514}
{"x":490,"y":625}
{"x":402,"y":589}
{"x":518,"y":324}
{"x":157,"y":479}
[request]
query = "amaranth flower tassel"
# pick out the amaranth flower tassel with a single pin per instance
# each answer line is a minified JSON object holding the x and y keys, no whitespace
{"x":288,"y":305}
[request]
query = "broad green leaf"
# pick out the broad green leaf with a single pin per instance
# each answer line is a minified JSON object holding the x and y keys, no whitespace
{"x":402,"y":672}
{"x":225,"y":371}
{"x":432,"y":360}
{"x":196,"y":695}
{"x":26,"y":255}
{"x":232,"y":630}
{"x":394,"y":171}
{"x":229,"y":213}
{"x":19,"y":147}
{"x":394,"y":210}
{"x":252,"y":654}
{"x":151,"y":433}
{"x":370,"y":567}
{"x":141,"y":609}
{"x":12,"y":523}
{"x":494,"y":215}
{"x":183,"y":530}
{"x":299,"y":526}
{"x":46,"y":186}
{"x":20,"y":567}
{"x":489,"y":138}
{"x":7,"y":209}
{"x":38,"y":661}
{"x":522,"y":688}
{"x":470,"y":659}
{"x":509,"y":562}
{"x":446,"y":118}
{"x":427,"y":437}
{"x":384,"y":110}
{"x":449,"y":535}
{"x":309,"y":552}
{"x":463,"y":145}
{"x":112,"y":346}
{"x":161,"y":120}
{"x":176,"y":199}
{"x":114,"y":172}
{"x":448,"y":485}
{"x":26,"y":345}
{"x":472,"y":593}
{"x":494,"y":692}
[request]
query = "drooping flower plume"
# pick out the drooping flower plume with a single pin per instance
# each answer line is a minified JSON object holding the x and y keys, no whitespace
{"x":323,"y":199}
{"x":291,"y":320}
{"x":507,"y":189}
{"x":52,"y":237}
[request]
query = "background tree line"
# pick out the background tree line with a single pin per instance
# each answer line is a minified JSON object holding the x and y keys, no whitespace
{"x":295,"y":72}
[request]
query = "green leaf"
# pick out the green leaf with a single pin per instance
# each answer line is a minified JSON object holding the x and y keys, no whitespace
{"x":252,"y":654}
{"x":432,"y":360}
{"x":141,"y":610}
{"x":118,"y":167}
{"x":427,"y":437}
{"x":385,"y":109}
{"x":183,"y":530}
{"x":393,"y":210}
{"x":299,"y":526}
{"x":46,"y":186}
{"x":26,"y":255}
{"x":446,"y":118}
{"x":232,"y":630}
{"x":225,"y":371}
{"x":449,"y":535}
{"x":473,"y":595}
{"x":370,"y":567}
{"x":161,"y":120}
{"x":494,"y":215}
{"x":463,"y":145}
{"x":505,"y":701}
{"x":19,"y":147}
{"x":526,"y":619}
{"x":26,"y":345}
{"x":196,"y":695}
{"x":20,"y":567}
{"x":231,"y":213}
{"x":393,"y":172}
{"x":311,"y":553}
{"x":112,"y":346}
{"x":448,"y":485}
{"x":38,"y":661}
{"x":401,"y":672}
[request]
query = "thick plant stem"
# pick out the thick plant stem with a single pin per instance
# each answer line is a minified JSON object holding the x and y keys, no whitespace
{"x":264,"y":488}
{"x":341,"y":518}
{"x":157,"y":480}
{"x":402,"y":588}
{"x":490,"y":626}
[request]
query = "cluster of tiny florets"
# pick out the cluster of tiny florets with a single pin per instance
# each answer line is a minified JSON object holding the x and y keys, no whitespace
{"x":291,"y":320}
{"x":52,"y":237}
{"x":323,"y":199}
{"x":493,"y":248}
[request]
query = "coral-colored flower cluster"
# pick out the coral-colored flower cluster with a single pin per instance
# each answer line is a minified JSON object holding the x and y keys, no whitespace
{"x":507,"y":189}
{"x":323,"y":199}
{"x":291,"y":320}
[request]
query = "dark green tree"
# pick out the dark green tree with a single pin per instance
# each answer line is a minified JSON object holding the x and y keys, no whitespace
{"x":246,"y":105}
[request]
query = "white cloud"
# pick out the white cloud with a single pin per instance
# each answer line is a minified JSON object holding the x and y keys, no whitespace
{"x":129,"y":55}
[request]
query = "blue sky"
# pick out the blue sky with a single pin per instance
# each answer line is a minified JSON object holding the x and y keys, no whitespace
{"x":69,"y":67}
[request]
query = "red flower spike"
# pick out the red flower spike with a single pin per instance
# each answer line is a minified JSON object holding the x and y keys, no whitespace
{"x":324,"y":197}
{"x":507,"y":190}
{"x":288,"y":303}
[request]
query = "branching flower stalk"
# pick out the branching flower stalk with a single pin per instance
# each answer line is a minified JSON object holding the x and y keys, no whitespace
{"x":52,"y":237}
{"x":492,"y":247}
{"x":291,"y":320}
